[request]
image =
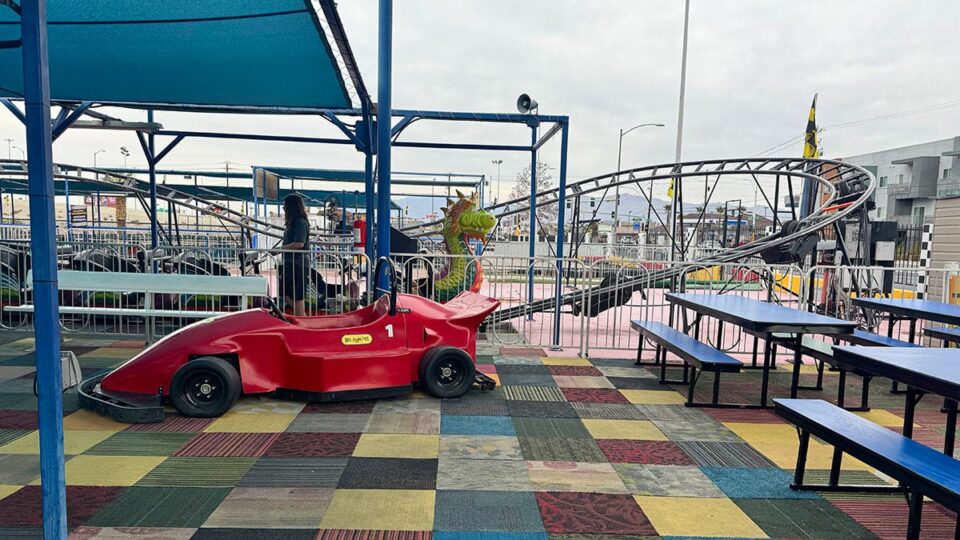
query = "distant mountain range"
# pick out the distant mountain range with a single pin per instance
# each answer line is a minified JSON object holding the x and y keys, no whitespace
{"x":630,"y":205}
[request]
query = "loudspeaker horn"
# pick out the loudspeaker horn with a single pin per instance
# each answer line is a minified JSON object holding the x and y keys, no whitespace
{"x":526,"y":104}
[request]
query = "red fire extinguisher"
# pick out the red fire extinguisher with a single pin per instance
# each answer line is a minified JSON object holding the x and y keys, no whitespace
{"x":359,"y":233}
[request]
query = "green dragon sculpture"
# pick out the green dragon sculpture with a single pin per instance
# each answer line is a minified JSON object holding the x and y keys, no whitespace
{"x":463,"y":221}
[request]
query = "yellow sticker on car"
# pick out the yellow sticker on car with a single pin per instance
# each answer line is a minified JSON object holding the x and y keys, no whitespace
{"x":357,"y":339}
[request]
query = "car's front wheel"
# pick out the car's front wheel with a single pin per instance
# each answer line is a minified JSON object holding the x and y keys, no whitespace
{"x":446,"y":372}
{"x":205,"y":387}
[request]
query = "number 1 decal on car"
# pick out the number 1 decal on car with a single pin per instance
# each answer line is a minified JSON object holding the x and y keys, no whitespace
{"x":389,"y":329}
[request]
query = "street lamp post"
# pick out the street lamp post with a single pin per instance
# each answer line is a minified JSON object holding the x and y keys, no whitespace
{"x":9,"y":142}
{"x":498,"y":163}
{"x":23,"y":155}
{"x":97,"y":176}
{"x":616,"y":196}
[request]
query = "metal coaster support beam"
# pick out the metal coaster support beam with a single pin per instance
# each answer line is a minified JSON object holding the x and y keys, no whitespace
{"x":561,"y":222}
{"x":532,"y":226}
{"x":36,"y":85}
{"x":384,"y":104}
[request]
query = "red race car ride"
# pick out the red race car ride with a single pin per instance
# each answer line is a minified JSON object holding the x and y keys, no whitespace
{"x":380,"y":350}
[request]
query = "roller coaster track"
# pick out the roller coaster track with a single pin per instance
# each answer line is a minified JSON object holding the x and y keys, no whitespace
{"x":110,"y":182}
{"x":790,"y":172}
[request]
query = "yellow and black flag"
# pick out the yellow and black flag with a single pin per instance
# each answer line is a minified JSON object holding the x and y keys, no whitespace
{"x":811,"y":140}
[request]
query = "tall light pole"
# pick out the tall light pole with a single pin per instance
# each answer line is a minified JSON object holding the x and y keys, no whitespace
{"x":23,"y":155}
{"x":9,"y":155}
{"x":616,"y":196}
{"x":683,"y":90}
{"x":498,"y":163}
{"x":97,"y":176}
{"x":125,"y":153}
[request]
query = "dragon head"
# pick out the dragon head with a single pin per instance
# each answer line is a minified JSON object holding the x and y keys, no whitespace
{"x":462,"y":217}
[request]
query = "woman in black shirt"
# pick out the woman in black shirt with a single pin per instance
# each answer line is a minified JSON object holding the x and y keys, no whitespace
{"x":296,"y":236}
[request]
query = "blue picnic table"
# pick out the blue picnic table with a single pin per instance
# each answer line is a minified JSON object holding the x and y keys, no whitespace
{"x":910,"y":310}
{"x":771,"y":322}
{"x":922,"y":370}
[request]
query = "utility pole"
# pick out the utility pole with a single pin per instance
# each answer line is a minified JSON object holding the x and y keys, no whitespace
{"x":683,"y":87}
{"x":616,"y":196}
{"x":498,"y":163}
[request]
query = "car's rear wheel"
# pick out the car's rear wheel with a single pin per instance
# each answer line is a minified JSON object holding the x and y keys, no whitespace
{"x":446,"y":372}
{"x":205,"y":387}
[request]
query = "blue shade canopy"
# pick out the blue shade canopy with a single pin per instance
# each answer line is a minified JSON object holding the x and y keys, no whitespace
{"x":230,"y":54}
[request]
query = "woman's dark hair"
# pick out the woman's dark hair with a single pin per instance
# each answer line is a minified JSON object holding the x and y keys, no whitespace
{"x":293,"y":208}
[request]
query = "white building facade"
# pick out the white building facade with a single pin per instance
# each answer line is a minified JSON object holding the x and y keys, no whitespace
{"x":912,"y":178}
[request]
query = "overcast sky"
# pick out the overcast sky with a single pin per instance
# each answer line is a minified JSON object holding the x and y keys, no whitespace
{"x":753,"y":68}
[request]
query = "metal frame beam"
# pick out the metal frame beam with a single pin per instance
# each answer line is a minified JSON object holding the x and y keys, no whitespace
{"x":14,"y":110}
{"x":384,"y":139}
{"x":65,"y":121}
{"x":36,"y":85}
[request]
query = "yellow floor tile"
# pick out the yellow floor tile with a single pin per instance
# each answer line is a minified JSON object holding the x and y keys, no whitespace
{"x":582,"y":381}
{"x":251,"y":422}
{"x":108,"y":470}
{"x":763,"y":433}
{"x":7,"y":490}
{"x":564,"y":361}
{"x":653,"y":397}
{"x":397,"y":446}
{"x":624,"y":429}
{"x":264,"y":404}
{"x":74,"y":442}
{"x":380,"y":509}
{"x":881,"y":417}
{"x":698,"y":517}
{"x":819,"y":456}
{"x":91,"y":421}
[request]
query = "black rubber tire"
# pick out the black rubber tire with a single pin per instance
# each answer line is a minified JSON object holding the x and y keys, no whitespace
{"x":446,"y":372}
{"x":191,"y":398}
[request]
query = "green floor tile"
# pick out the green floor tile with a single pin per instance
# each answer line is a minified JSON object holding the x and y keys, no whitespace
{"x":198,"y":472}
{"x":128,"y":443}
{"x":784,"y":518}
{"x":8,"y":435}
{"x":160,"y":507}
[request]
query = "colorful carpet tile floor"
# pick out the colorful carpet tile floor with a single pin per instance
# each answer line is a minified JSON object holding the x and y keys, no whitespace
{"x":564,"y":448}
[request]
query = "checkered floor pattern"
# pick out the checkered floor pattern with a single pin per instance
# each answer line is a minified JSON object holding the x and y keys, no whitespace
{"x":563,"y":448}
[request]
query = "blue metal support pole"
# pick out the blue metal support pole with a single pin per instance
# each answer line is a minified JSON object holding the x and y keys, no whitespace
{"x":152,"y":166}
{"x":532,"y":240}
{"x":384,"y":99}
{"x":36,"y":91}
{"x":370,"y":201}
{"x":561,"y":216}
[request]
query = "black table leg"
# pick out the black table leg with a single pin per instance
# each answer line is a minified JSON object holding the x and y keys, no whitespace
{"x":719,"y":335}
{"x":765,"y":384}
{"x":909,"y":408}
{"x":756,"y":343}
{"x":797,"y":362}
{"x":951,"y":432}
{"x":639,"y":361}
